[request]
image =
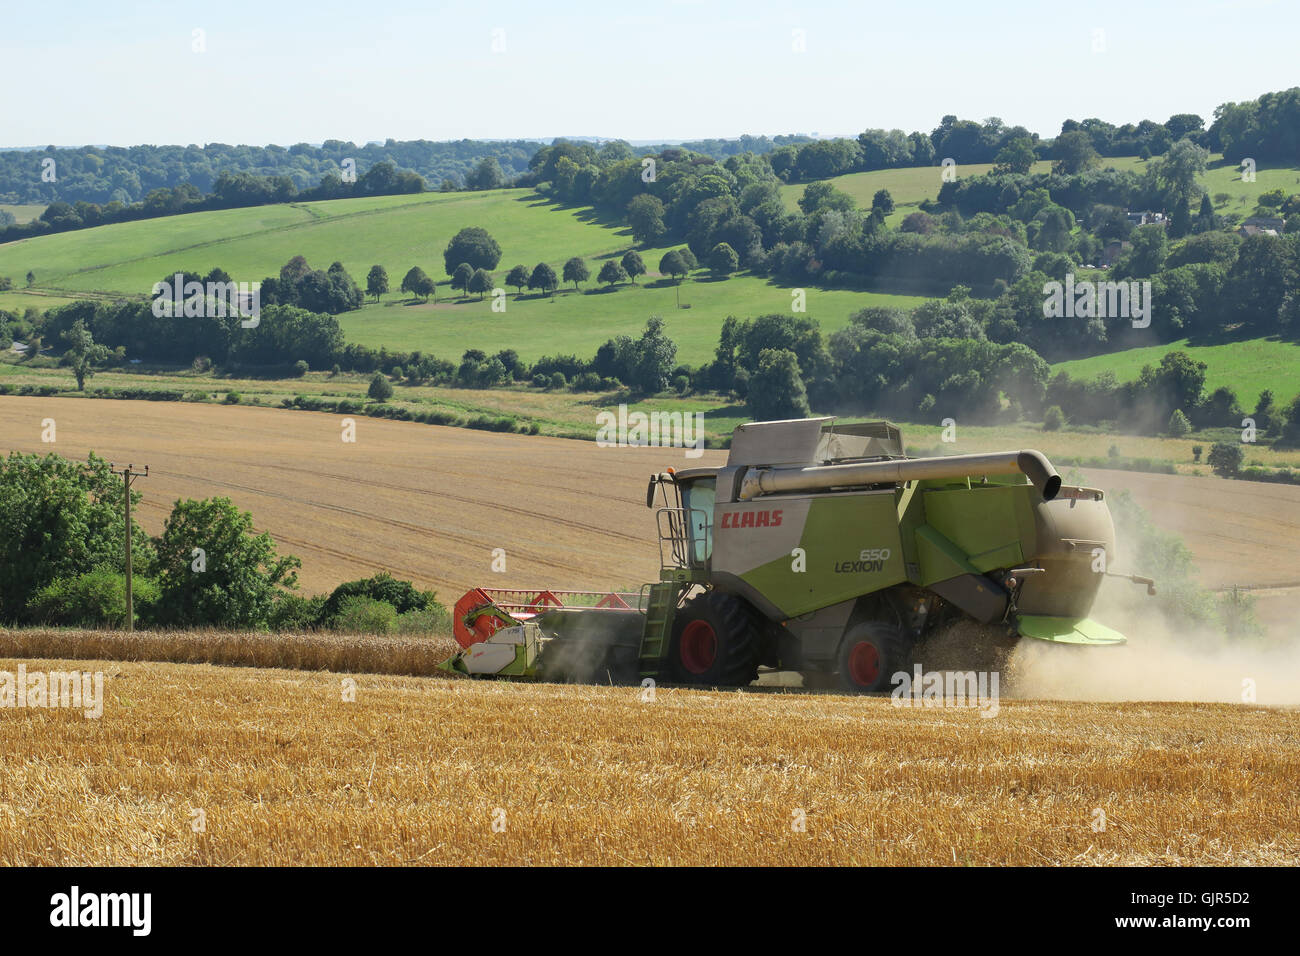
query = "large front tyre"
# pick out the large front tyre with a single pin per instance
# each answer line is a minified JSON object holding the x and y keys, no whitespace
{"x":715,"y":642}
{"x":870,"y":655}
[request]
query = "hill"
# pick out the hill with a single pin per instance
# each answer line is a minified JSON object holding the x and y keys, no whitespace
{"x":403,"y":231}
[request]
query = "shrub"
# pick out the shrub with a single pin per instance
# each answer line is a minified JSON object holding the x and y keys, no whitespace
{"x":94,"y":599}
{"x":431,"y":620}
{"x":364,"y":615}
{"x":1053,"y":418}
{"x":232,"y":398}
{"x":558,"y":380}
{"x":1226,"y":458}
{"x":587,"y":382}
{"x":1196,"y":452}
{"x":335,"y":371}
{"x":294,"y":612}
{"x":402,"y":595}
{"x":1178,"y":424}
{"x":300,"y":368}
{"x":381,"y":390}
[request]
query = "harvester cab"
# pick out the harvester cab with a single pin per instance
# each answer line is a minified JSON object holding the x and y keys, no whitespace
{"x":819,"y":547}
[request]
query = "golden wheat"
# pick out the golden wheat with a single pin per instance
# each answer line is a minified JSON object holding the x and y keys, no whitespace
{"x":436,"y":771}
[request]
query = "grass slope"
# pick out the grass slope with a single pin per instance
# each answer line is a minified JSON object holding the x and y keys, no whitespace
{"x":1248,"y":367}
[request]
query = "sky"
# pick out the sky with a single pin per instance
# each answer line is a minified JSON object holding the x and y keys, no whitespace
{"x":236,"y":71}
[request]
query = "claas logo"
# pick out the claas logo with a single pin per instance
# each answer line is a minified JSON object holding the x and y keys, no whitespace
{"x":751,"y":519}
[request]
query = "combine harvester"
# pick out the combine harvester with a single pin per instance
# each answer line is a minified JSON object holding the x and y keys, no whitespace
{"x":819,"y":548}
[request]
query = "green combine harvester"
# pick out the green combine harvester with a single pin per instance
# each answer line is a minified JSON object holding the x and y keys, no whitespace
{"x":818,"y":548}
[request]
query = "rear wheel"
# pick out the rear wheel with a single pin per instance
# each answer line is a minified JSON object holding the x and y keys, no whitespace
{"x":869,"y":656}
{"x":715,"y":642}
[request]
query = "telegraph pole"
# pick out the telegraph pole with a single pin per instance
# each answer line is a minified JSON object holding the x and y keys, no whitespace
{"x":127,"y":475}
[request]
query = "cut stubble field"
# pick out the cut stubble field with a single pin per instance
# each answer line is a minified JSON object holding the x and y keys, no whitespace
{"x":432,"y":772}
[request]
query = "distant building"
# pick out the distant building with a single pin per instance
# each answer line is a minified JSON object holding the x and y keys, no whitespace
{"x":1145,"y":218}
{"x":1262,"y":225}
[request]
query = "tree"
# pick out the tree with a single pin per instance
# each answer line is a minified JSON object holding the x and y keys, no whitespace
{"x":31,"y":277}
{"x":1178,"y":426}
{"x":645,"y":216}
{"x":612,"y":272}
{"x":241,"y":573}
{"x":1017,"y":156}
{"x":480,"y":282}
{"x":461,"y":275}
{"x":486,"y":175}
{"x":883,"y":201}
{"x":1074,"y":153}
{"x":672,"y":264}
{"x":59,"y":518}
{"x":655,"y":358}
{"x":632,"y":264}
{"x":1053,"y":419}
{"x":377,"y":282}
{"x":381,"y":390}
{"x":1225,"y":458}
{"x":474,"y":246}
{"x":1182,"y":164}
{"x":518,"y":278}
{"x":824,"y":196}
{"x":416,"y":282}
{"x":776,"y":389}
{"x":543,"y":277}
{"x":723,"y":259}
{"x":575,"y":271}
{"x":83,"y":352}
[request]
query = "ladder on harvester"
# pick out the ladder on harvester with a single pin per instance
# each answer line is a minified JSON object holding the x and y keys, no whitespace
{"x":660,"y":608}
{"x":679,"y":570}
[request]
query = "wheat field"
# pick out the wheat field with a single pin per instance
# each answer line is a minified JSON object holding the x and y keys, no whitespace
{"x":203,"y":764}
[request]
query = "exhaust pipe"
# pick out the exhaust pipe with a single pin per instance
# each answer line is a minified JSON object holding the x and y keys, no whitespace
{"x":1033,"y":464}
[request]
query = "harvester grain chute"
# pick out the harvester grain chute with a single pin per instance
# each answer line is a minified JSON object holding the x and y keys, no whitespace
{"x":820,"y":548}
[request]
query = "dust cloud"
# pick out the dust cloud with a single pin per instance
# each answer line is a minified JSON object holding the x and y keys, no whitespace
{"x":1160,"y":662}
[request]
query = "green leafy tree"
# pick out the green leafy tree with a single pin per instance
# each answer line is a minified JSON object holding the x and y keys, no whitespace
{"x":1017,"y":156}
{"x":233,"y":578}
{"x":461,"y":275}
{"x":672,"y":264}
{"x":518,"y":277}
{"x":480,"y":282}
{"x":656,"y":355}
{"x":723,"y":260}
{"x":1053,"y":418}
{"x":633,"y":264}
{"x":1178,"y":426}
{"x":823,"y":196}
{"x":60,"y":518}
{"x":377,"y":281}
{"x":83,"y":353}
{"x":883,"y":201}
{"x":381,"y":390}
{"x":472,"y":245}
{"x":1226,"y":458}
{"x":416,"y":282}
{"x":645,"y":216}
{"x":776,"y":389}
{"x":612,"y":272}
{"x":543,"y":277}
{"x":575,"y":271}
{"x":1074,"y":153}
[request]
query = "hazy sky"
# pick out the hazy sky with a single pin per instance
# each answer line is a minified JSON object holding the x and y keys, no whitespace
{"x":272,"y":72}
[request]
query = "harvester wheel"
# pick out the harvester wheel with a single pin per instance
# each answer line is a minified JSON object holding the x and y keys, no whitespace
{"x":715,"y":642}
{"x":870,"y":654}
